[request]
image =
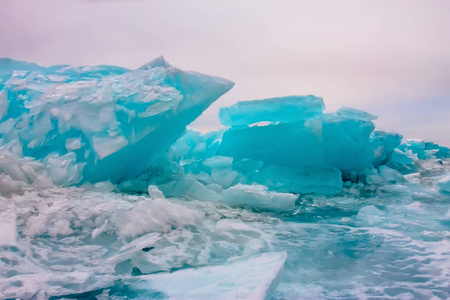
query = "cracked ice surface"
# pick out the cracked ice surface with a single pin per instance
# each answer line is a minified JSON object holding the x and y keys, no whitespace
{"x":363,"y":244}
{"x":347,"y":211}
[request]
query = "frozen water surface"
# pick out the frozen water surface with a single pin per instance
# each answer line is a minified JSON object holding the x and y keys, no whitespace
{"x":308,"y":205}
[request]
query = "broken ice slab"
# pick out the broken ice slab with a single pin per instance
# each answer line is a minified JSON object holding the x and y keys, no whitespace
{"x":189,"y":187}
{"x":404,"y":162}
{"x":248,"y":277}
{"x":300,"y":135}
{"x":295,"y":144}
{"x":383,"y":144}
{"x":390,"y":176}
{"x":258,"y":196}
{"x":439,"y":151}
{"x":424,"y":149}
{"x":114,"y":120}
{"x":280,"y":109}
{"x":356,"y":114}
{"x":346,"y":137}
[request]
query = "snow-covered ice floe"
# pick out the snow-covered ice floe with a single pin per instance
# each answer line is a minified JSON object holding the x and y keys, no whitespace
{"x":105,"y":194}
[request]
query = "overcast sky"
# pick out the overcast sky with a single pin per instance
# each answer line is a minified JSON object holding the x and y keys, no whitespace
{"x":391,"y":58}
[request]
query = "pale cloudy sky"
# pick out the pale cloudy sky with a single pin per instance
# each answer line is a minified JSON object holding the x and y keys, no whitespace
{"x":391,"y":58}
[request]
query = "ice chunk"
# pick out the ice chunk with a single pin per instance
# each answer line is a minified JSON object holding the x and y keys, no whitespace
{"x":17,"y":174}
{"x":114,"y":120}
{"x":64,"y":170}
{"x":372,"y":176}
{"x":346,"y":137}
{"x":280,"y":109}
{"x":219,"y":162}
{"x":311,"y":138}
{"x":383,"y":144}
{"x":371,"y":214}
{"x":221,"y":171}
{"x":250,"y":277}
{"x":195,"y":146}
{"x":404,"y":162}
{"x":154,"y":192}
{"x":156,"y":215}
{"x":258,"y":196}
{"x":190,"y":188}
{"x":424,"y":150}
{"x":444,"y":184}
{"x":390,"y":175}
{"x":441,"y":151}
{"x":355,"y":114}
{"x":295,"y":144}
{"x":73,"y":144}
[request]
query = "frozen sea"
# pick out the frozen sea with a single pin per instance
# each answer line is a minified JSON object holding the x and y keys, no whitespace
{"x":79,"y":243}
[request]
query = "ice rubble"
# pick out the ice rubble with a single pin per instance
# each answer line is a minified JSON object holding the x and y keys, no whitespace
{"x":62,"y":126}
{"x":306,"y":152}
{"x":67,"y":241}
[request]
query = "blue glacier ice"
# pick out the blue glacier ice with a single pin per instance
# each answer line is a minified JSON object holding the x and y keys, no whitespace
{"x":281,"y":109}
{"x":275,"y":142}
{"x":111,"y":122}
{"x":104,"y":194}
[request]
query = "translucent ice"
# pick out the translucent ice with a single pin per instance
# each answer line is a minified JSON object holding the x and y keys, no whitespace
{"x":346,"y":139}
{"x":360,"y":212}
{"x":300,"y":135}
{"x":296,"y":144}
{"x":383,"y":144}
{"x":112,"y":122}
{"x":281,"y":109}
